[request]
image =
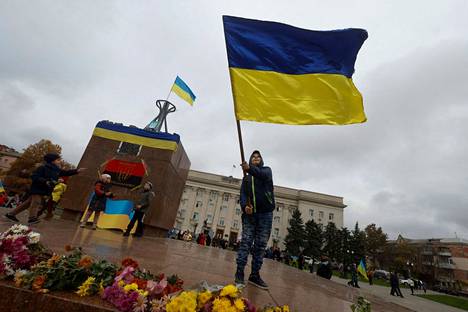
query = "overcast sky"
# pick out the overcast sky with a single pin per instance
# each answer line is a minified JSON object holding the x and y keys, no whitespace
{"x":65,"y":65}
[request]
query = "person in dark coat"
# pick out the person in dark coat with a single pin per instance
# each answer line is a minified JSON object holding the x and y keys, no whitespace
{"x":395,"y":285}
{"x":44,"y":179}
{"x":98,"y":200}
{"x":140,"y":209}
{"x":257,"y":202}
{"x":324,"y":269}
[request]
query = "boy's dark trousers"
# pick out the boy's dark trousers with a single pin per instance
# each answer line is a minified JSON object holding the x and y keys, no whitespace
{"x":137,"y":216}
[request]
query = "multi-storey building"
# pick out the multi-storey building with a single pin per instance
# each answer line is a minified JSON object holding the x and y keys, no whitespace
{"x":7,"y":157}
{"x":211,"y":202}
{"x":441,"y":261}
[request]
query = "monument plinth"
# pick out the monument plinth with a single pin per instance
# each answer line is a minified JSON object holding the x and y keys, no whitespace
{"x":131,"y":156}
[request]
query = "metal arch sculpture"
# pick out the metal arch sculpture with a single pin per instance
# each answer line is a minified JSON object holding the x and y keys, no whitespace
{"x":165,"y":108}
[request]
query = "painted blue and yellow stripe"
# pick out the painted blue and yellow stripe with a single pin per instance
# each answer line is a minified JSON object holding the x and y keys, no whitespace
{"x":119,"y":132}
{"x":288,"y":75}
{"x":182,"y":89}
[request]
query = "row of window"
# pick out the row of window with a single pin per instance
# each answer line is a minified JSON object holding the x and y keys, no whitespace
{"x":277,"y":219}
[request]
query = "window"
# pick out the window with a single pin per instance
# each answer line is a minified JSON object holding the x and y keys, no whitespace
{"x":213,"y":195}
{"x":331,"y":216}
{"x":209,"y":218}
{"x":129,"y":148}
{"x":311,"y":213}
{"x":199,"y":204}
{"x":221,"y":221}
{"x":195,"y":216}
{"x":320,"y":215}
{"x":200,"y":192}
{"x":238,"y":211}
{"x":235,"y":224}
{"x":181,"y":213}
{"x":226,"y":197}
{"x":279,"y":206}
{"x":277,"y":219}
{"x":237,"y":200}
{"x":276,"y":232}
{"x":223,"y":208}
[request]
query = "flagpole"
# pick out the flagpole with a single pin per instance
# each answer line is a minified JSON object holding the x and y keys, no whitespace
{"x":241,"y":143}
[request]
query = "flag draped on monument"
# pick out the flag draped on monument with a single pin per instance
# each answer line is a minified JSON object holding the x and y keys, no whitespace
{"x":288,"y":75}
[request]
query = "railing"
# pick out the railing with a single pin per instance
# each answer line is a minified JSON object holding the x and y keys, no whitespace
{"x":445,"y":253}
{"x":448,"y":266}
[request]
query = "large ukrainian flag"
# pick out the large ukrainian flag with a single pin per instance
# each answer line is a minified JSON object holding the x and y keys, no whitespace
{"x":288,"y":75}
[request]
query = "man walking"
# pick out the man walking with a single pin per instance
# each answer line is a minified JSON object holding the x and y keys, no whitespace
{"x":257,"y":202}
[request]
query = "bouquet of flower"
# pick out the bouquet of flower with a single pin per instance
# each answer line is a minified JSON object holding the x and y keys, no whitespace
{"x":68,"y":272}
{"x":138,"y":290}
{"x":19,"y":250}
{"x":214,"y":299}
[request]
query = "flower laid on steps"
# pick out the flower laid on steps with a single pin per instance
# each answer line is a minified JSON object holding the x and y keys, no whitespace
{"x":127,"y":286}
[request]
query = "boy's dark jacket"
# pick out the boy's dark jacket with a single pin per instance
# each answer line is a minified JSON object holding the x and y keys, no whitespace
{"x":261,"y":192}
{"x":45,"y":177}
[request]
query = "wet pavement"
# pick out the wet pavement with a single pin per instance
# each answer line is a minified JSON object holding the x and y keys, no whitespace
{"x":300,"y":290}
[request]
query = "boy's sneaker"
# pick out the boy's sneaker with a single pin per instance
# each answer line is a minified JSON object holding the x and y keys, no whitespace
{"x":94,"y":227}
{"x":239,"y":278}
{"x":257,"y":281}
{"x":33,"y":220}
{"x":11,"y":217}
{"x":126,"y":234}
{"x":82,"y":225}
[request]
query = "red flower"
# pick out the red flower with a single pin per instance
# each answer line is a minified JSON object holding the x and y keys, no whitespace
{"x":129,"y":262}
{"x":140,"y":282}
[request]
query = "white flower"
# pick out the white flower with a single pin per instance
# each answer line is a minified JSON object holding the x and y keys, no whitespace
{"x":34,"y":237}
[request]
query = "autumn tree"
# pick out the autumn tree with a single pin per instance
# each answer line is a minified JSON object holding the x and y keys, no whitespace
{"x":17,"y":178}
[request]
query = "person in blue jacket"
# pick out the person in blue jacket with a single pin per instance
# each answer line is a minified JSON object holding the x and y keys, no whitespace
{"x":257,"y":202}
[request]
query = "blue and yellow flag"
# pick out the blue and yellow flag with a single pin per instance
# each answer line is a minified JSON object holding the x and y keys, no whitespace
{"x":181,"y":89}
{"x":362,"y":269}
{"x":288,"y":75}
{"x":2,"y":189}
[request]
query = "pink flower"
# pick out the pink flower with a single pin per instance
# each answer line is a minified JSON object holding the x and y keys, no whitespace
{"x":126,"y":275}
{"x":156,"y":288}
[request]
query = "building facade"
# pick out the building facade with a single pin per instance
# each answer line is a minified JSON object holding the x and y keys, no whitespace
{"x":441,"y":261}
{"x":7,"y":157}
{"x":210,"y":202}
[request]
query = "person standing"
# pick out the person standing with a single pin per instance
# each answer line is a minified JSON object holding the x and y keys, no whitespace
{"x":140,"y":209}
{"x":370,"y":276}
{"x":44,"y":179}
{"x":257,"y":202}
{"x":54,"y":199}
{"x":325,"y":270}
{"x":98,"y":200}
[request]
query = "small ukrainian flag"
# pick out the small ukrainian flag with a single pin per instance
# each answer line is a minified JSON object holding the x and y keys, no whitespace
{"x":181,"y":89}
{"x":2,"y":189}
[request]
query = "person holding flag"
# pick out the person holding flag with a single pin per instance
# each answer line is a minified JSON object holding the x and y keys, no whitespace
{"x":257,"y":202}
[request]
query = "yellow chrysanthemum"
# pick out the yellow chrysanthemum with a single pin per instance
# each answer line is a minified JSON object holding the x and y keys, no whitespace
{"x":203,"y":298}
{"x":286,"y":308}
{"x":121,"y":283}
{"x":223,"y":305}
{"x":185,"y":302}
{"x":130,"y":287}
{"x":229,"y":290}
{"x":240,"y":305}
{"x":84,"y":289}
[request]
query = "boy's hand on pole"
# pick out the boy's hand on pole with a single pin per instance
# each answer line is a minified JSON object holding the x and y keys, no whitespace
{"x":248,"y":209}
{"x":245,"y":166}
